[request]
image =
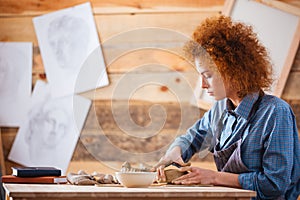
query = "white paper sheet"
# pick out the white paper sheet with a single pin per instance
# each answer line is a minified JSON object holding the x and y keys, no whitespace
{"x":67,"y":38}
{"x":15,"y":81}
{"x":49,"y":135}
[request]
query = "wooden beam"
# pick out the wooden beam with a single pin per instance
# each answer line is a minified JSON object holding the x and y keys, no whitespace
{"x":289,"y":60}
{"x":38,"y":7}
{"x":281,"y":6}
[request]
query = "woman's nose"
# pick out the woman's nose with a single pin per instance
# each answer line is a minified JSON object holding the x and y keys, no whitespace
{"x":204,"y":83}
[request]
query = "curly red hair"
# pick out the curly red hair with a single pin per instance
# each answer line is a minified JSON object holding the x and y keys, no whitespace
{"x":236,"y":52}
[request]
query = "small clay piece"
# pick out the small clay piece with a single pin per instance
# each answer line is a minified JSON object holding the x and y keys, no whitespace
{"x":80,"y":179}
{"x":126,"y":167}
{"x":83,"y":178}
{"x":172,"y":174}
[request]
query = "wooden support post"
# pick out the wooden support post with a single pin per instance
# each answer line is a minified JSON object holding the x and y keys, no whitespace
{"x":282,"y":6}
{"x":2,"y":160}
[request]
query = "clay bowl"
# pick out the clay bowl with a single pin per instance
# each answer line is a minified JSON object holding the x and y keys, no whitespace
{"x":136,"y":179}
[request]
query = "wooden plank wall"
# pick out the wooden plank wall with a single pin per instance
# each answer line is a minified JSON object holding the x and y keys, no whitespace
{"x":141,"y":42}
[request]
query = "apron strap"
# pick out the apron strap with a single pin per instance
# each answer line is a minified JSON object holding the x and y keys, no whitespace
{"x":249,"y":120}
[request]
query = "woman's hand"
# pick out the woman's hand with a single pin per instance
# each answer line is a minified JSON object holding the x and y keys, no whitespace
{"x":196,"y":175}
{"x":202,"y":176}
{"x":172,"y":156}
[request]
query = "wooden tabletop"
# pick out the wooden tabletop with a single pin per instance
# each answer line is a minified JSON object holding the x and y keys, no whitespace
{"x":66,"y":191}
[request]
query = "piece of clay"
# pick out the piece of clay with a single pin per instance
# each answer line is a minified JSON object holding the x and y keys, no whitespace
{"x":172,"y":174}
{"x":126,"y":167}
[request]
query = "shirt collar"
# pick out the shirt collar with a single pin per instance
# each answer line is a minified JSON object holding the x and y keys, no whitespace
{"x":244,"y":108}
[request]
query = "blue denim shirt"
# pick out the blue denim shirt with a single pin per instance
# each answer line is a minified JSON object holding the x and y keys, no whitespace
{"x":270,"y":147}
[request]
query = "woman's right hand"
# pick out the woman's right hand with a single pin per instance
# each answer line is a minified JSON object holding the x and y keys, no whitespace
{"x":172,"y":156}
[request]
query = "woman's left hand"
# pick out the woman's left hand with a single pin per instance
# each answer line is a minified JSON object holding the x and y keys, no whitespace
{"x":196,"y":175}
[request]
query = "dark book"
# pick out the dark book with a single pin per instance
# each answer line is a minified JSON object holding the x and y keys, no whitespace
{"x":35,"y":171}
{"x":41,"y":179}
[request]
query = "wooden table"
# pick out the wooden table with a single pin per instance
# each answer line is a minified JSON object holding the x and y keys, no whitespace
{"x":66,"y":191}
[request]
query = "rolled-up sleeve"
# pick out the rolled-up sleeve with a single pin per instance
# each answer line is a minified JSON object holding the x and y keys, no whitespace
{"x":196,"y":138}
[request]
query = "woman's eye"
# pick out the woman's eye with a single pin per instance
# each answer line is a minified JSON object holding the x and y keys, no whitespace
{"x":206,"y":76}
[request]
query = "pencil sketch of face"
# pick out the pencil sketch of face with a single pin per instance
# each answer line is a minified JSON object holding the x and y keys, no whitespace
{"x":48,"y":126}
{"x":5,"y":70}
{"x":11,"y":70}
{"x":68,"y":38}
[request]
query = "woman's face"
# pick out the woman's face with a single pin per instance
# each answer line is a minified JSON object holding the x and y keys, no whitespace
{"x":211,"y":80}
{"x":50,"y":127}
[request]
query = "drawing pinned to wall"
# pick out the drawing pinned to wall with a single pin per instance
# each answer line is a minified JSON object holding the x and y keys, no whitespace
{"x":15,"y":81}
{"x":66,"y":38}
{"x":49,"y":135}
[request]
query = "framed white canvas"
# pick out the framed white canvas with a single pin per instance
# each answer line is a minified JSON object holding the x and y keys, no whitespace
{"x":278,"y":30}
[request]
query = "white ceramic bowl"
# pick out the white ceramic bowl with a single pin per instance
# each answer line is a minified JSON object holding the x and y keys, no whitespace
{"x":136,"y":179}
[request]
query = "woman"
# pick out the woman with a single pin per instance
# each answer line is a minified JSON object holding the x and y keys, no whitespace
{"x":253,"y":136}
